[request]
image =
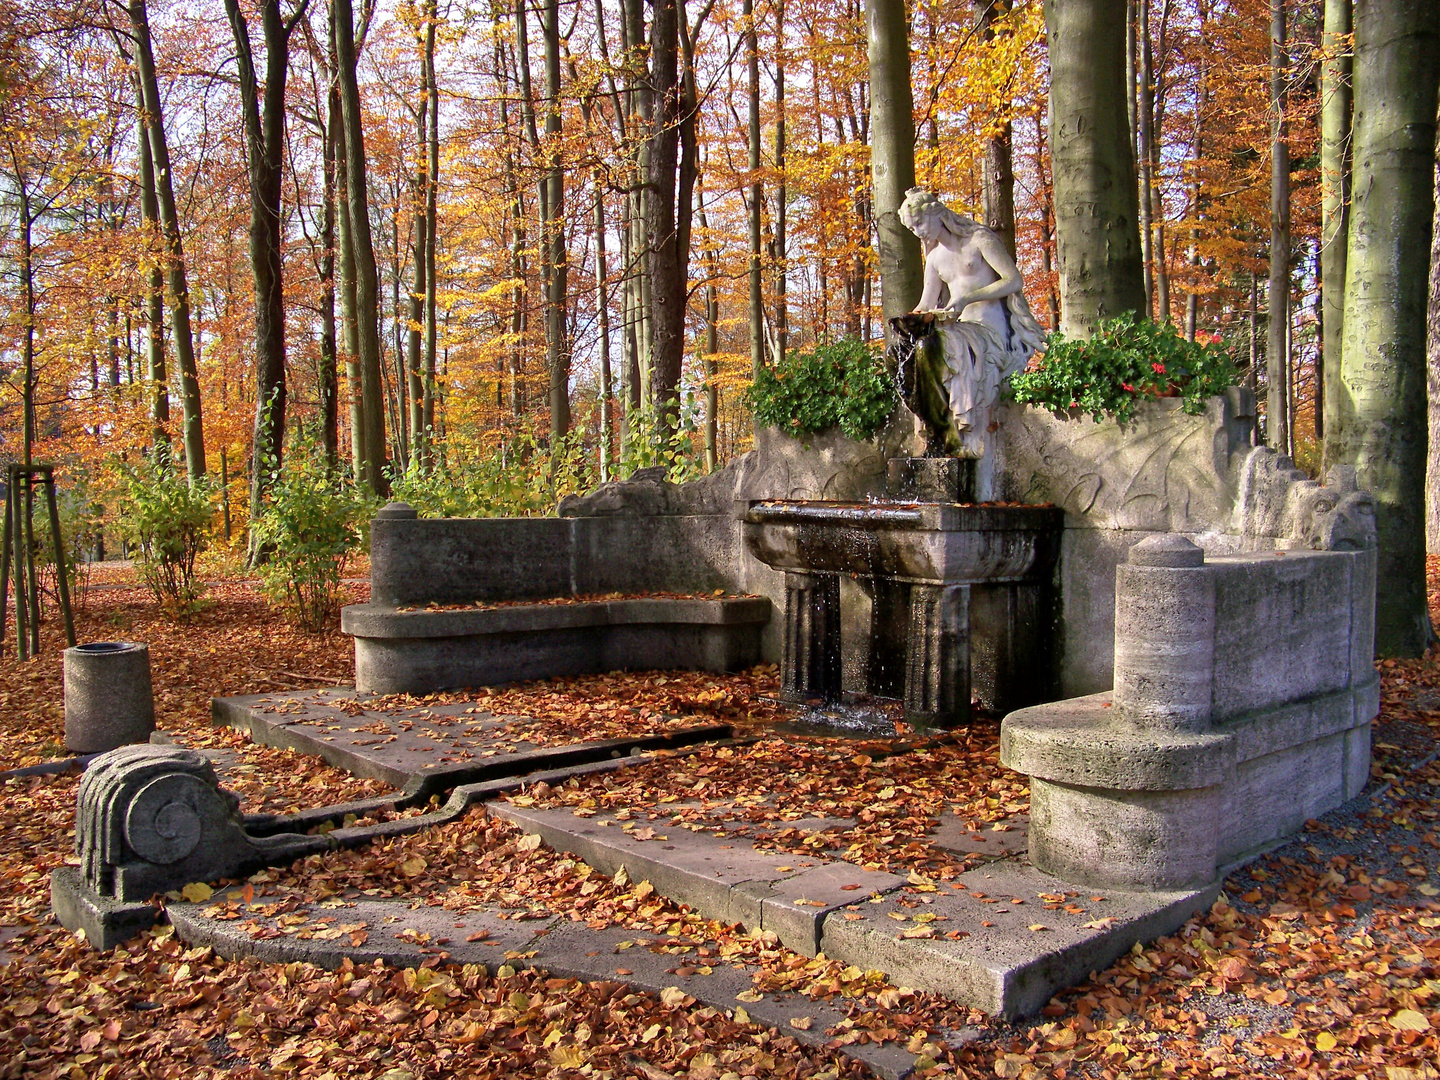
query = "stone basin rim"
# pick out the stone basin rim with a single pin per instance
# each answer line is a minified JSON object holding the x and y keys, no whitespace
{"x":917,"y":516}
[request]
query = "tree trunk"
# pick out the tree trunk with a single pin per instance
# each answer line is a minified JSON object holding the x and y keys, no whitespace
{"x":712,"y":346}
{"x":432,"y":176}
{"x":668,"y":286}
{"x":1334,"y":191}
{"x":1432,"y":368}
{"x":892,"y":156}
{"x":193,"y":434}
{"x":414,"y":338}
{"x":557,"y":352}
{"x":1145,"y":119}
{"x":602,"y":309}
{"x":329,"y":346}
{"x":1047,"y":226}
{"x":367,"y":283}
{"x":1277,"y":295}
{"x":154,"y":305}
{"x":265,"y":154}
{"x":1380,"y":425}
{"x":782,"y":321}
{"x":757,"y":190}
{"x":349,"y":326}
{"x":1097,"y":237}
{"x":998,"y":190}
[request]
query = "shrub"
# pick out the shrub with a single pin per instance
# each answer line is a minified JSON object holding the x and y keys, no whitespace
{"x":312,"y":524}
{"x":167,"y":520}
{"x":845,"y":384}
{"x":649,"y":444}
{"x":1126,"y":360}
{"x":521,"y":475}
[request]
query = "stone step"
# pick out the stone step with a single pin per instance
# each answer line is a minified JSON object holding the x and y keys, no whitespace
{"x":998,"y":938}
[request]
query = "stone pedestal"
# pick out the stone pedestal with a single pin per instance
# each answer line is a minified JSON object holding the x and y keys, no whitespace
{"x":937,"y":670}
{"x":810,"y":665}
{"x":108,"y":697}
{"x":1244,"y":691}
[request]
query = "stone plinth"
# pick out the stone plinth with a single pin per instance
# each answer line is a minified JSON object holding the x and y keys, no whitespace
{"x":1244,"y":692}
{"x":108,"y":696}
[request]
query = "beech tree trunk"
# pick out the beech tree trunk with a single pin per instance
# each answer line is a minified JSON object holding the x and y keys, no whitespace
{"x":1093,"y":160}
{"x":892,"y":155}
{"x":782,"y":320}
{"x":367,"y":280}
{"x":1432,"y":368}
{"x":1334,"y":192}
{"x":193,"y":433}
{"x":668,"y":287}
{"x":432,"y":184}
{"x":154,"y":305}
{"x":1277,"y":295}
{"x":557,"y":352}
{"x":757,"y":190}
{"x":415,"y":331}
{"x":1380,"y":423}
{"x":264,"y":125}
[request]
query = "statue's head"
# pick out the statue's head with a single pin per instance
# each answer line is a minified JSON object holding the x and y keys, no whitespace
{"x":923,"y":213}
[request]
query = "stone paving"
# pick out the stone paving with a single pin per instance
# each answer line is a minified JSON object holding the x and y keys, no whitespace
{"x":427,"y":746}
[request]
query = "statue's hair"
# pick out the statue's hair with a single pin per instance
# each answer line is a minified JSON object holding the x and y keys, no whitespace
{"x":921,"y":203}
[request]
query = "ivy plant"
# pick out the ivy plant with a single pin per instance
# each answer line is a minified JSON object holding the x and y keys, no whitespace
{"x":1127,"y":360}
{"x":843,"y":384}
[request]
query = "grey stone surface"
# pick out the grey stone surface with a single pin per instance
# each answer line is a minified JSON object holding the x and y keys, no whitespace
{"x":424,"y":748}
{"x":153,"y":818}
{"x":1232,"y":722}
{"x":423,"y":651}
{"x":1007,"y":969}
{"x":105,"y":921}
{"x":108,"y":697}
{"x":559,"y":948}
{"x":726,"y":878}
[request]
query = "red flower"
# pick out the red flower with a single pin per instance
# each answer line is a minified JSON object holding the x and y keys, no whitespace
{"x":1159,"y":368}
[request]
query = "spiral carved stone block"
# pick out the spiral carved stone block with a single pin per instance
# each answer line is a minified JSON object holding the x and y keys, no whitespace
{"x":154,"y":818}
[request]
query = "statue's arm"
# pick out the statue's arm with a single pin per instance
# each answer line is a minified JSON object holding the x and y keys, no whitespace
{"x":1009,"y":280}
{"x":930,"y":296}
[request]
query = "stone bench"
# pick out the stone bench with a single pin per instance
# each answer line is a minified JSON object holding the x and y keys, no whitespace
{"x":425,"y":650}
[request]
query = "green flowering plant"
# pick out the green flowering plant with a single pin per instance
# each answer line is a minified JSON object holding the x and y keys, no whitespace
{"x":843,"y":384}
{"x":1127,"y":360}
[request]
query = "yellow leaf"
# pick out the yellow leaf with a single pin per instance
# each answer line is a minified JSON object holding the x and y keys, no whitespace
{"x":1325,"y":1042}
{"x":528,"y":842}
{"x":751,"y":996}
{"x":1035,"y":928}
{"x":413,"y":866}
{"x":643,"y":890}
{"x":1409,"y":1020}
{"x":569,"y":1057}
{"x":801,"y":1023}
{"x":741,"y":1016}
{"x":672,"y":995}
{"x":650,"y":1033}
{"x":197,"y":892}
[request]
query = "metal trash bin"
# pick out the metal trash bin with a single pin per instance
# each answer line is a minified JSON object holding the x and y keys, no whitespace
{"x":108,"y":697}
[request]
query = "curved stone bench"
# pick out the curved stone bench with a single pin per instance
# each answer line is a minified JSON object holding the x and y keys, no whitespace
{"x":425,"y":650}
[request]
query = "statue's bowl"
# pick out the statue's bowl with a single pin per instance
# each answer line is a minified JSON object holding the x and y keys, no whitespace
{"x":917,"y":542}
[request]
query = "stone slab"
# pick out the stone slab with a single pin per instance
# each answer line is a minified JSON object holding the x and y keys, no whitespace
{"x":107,"y":923}
{"x":725,"y":878}
{"x":1005,"y":969}
{"x":556,"y":946}
{"x":1000,"y":839}
{"x":421,"y":749}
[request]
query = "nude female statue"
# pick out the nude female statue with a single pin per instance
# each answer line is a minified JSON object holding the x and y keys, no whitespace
{"x":974,"y":302}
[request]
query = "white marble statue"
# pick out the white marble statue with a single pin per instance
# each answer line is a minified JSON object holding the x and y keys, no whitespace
{"x":975,"y":300}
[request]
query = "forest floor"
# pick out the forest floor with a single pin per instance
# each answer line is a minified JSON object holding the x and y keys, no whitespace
{"x":1321,"y":960}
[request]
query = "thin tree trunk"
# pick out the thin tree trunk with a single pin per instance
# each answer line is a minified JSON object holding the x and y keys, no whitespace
{"x":1097,"y":236}
{"x":154,"y":305}
{"x":193,"y":432}
{"x":1047,"y":226}
{"x":1380,"y":426}
{"x":415,"y":330}
{"x":1158,"y":250}
{"x":329,"y":349}
{"x":668,"y":286}
{"x":367,"y":285}
{"x":998,"y":188}
{"x":557,"y":350}
{"x":432,"y":185}
{"x":712,"y":345}
{"x":602,"y":309}
{"x":1432,"y":368}
{"x":892,"y":160}
{"x":1334,"y":191}
{"x":1277,"y":295}
{"x":264,"y":152}
{"x":1145,"y":118}
{"x":782,"y":321}
{"x":27,"y":283}
{"x":349,"y":326}
{"x":757,"y":190}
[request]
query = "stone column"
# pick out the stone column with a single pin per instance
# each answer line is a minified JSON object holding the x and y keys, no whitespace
{"x":1165,"y":636}
{"x":810,"y":665}
{"x":937,"y":663}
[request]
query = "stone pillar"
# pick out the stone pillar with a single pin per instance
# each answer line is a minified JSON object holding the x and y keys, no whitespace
{"x":937,"y":663}
{"x":810,"y":665}
{"x":1165,"y":637}
{"x":108,"y":697}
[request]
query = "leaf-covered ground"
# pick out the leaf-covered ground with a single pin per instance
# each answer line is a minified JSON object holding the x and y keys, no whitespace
{"x":1322,"y":960}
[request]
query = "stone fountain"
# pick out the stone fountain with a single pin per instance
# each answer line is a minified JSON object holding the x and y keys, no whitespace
{"x":952,"y":584}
